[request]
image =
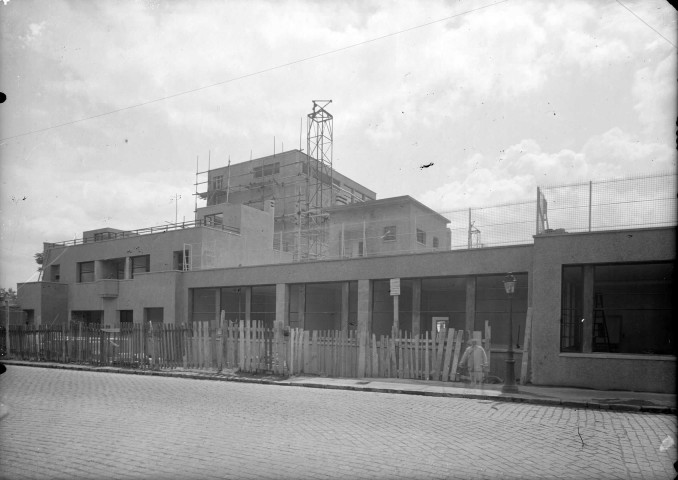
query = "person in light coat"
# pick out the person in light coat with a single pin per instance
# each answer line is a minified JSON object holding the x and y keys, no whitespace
{"x":476,"y":360}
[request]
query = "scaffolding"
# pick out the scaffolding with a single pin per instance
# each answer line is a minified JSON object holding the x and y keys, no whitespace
{"x":303,"y":187}
{"x":320,"y":185}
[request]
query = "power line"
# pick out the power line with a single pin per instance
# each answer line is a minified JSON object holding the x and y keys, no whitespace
{"x":650,"y":26}
{"x":259,"y":72}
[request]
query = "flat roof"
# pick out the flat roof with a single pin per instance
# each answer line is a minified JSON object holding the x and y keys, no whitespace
{"x":403,"y":199}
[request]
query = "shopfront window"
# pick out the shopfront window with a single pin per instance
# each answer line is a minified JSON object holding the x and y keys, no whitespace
{"x":382,"y":307}
{"x":633,"y":311}
{"x":443,"y":302}
{"x":621,"y":308}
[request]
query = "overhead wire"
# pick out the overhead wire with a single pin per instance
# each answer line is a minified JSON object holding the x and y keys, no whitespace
{"x":259,"y":72}
{"x":648,"y":25}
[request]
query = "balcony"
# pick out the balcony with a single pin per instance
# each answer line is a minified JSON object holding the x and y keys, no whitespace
{"x":108,"y":288}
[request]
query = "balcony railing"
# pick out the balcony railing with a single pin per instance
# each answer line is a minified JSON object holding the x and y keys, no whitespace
{"x":106,"y":236}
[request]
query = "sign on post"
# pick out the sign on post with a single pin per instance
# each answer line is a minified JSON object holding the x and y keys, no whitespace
{"x":395,"y":292}
{"x":395,"y":286}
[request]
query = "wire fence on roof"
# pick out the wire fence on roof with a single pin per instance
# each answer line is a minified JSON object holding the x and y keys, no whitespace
{"x":617,"y":204}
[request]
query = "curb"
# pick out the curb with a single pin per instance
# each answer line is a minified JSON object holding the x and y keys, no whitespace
{"x":552,"y":402}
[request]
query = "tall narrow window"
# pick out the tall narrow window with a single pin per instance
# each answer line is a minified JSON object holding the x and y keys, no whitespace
{"x":218,"y":182}
{"x":85,"y":272}
{"x":435,"y":242}
{"x":421,"y":236}
{"x":55,"y":273}
{"x":572,"y":311}
{"x":141,"y":264}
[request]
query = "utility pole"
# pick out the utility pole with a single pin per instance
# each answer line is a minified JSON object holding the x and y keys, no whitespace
{"x":7,"y":326}
{"x":175,"y":199}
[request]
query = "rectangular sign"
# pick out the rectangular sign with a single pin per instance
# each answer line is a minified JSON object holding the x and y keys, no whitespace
{"x":395,"y":286}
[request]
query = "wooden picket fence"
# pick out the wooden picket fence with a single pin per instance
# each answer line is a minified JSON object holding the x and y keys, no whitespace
{"x":248,"y":346}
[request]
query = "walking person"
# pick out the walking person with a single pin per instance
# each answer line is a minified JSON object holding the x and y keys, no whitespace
{"x":475,"y":359}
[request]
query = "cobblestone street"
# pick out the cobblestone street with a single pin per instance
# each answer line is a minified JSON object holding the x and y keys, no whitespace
{"x":82,"y":425}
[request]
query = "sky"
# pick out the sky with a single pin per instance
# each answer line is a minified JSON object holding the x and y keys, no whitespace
{"x":112,"y":106}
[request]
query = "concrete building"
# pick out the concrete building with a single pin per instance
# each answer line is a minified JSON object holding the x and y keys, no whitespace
{"x":388,"y":226}
{"x":600,"y":301}
{"x":292,"y":181}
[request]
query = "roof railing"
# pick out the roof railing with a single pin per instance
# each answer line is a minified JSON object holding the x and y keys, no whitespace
{"x":106,"y":236}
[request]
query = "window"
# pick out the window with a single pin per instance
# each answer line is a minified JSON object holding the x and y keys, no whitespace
{"x":112,"y":269}
{"x":155,"y":314}
{"x":618,"y":308}
{"x":266,"y":170}
{"x":85,"y":272}
{"x":214,"y":220}
{"x":88,"y":317}
{"x":100,"y":237}
{"x":389,"y":234}
{"x":141,"y":264}
{"x":218,"y":182}
{"x":435,"y":242}
{"x":126,"y":317}
{"x":55,"y":273}
{"x":421,"y":236}
{"x":182,"y":260}
{"x":571,"y":309}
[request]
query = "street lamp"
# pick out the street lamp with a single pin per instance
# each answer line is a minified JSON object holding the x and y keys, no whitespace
{"x":510,"y":381}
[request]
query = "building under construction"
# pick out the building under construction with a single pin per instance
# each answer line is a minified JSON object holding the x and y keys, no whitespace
{"x":302,"y":185}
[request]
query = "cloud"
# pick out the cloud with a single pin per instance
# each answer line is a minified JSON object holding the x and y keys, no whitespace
{"x":522,"y":167}
{"x":654,"y":89}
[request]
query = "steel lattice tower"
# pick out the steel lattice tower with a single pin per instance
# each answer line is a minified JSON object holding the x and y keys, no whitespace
{"x":319,"y":188}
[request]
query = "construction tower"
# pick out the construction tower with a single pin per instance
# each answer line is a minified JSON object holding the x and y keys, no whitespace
{"x":320,"y":185}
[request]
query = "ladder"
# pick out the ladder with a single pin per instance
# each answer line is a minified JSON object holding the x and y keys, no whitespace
{"x":601,"y":336}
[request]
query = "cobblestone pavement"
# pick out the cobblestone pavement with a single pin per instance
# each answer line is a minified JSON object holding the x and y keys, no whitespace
{"x":82,"y":425}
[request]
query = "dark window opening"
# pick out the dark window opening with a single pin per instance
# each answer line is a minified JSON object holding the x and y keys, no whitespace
{"x":55,"y":273}
{"x":633,"y":310}
{"x":218,"y":182}
{"x":141,"y":264}
{"x":421,"y":236}
{"x":88,"y":317}
{"x":266,"y":170}
{"x":85,"y":272}
{"x":126,"y":317}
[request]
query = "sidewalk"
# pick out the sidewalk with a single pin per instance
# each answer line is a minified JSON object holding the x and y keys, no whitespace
{"x":553,"y":396}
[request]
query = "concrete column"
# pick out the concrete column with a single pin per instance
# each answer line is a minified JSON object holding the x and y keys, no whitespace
{"x":344,"y":307}
{"x":128,"y":268}
{"x":416,"y":306}
{"x":217,"y":305}
{"x":282,"y":304}
{"x":587,"y":308}
{"x":470,"y":303}
{"x":98,"y":270}
{"x":248,"y":304}
{"x":364,"y":322}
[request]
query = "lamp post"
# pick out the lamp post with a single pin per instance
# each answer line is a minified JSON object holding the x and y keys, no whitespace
{"x":510,"y":380}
